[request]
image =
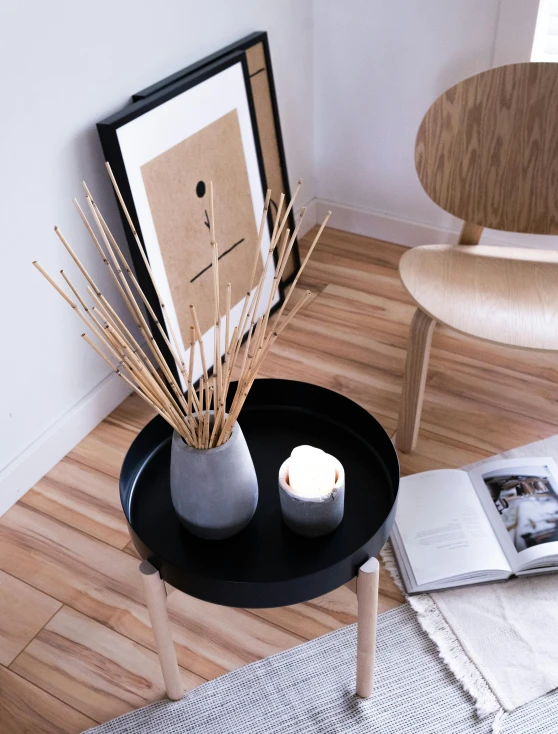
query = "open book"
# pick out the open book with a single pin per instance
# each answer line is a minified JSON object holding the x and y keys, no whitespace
{"x":455,"y":528}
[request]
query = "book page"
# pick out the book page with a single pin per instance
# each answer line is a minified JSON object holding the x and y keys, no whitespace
{"x":444,"y":528}
{"x":520,"y":497}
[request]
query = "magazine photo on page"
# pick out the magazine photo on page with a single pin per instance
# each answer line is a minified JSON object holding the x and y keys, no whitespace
{"x":455,"y":528}
{"x":527,"y":503}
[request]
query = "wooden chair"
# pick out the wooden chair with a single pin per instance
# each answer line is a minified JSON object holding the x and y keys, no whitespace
{"x":487,"y":152}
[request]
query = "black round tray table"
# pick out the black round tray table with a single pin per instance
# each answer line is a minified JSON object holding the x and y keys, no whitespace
{"x":267,"y":564}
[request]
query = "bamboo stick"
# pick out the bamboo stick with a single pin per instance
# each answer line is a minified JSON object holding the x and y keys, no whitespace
{"x":292,"y":201}
{"x":143,"y":255}
{"x":275,"y":286}
{"x":244,"y":387}
{"x":135,"y":309}
{"x":189,"y":415}
{"x":257,"y":252}
{"x":174,"y":348}
{"x":128,"y":381}
{"x":200,"y":339}
{"x":227,"y":316}
{"x":217,"y":322}
{"x":103,"y":257}
{"x":74,"y":290}
{"x":76,"y":259}
{"x":112,"y":246}
{"x":93,"y":324}
{"x":303,"y":265}
{"x":157,"y":388}
{"x":69,"y":301}
{"x":191,"y":370}
{"x":229,"y":367}
{"x":257,"y":256}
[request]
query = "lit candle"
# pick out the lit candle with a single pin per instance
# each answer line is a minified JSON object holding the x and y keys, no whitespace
{"x":312,"y":472}
{"x":312,"y":491}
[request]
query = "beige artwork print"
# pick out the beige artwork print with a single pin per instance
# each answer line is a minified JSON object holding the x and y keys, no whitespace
{"x":177,"y":186}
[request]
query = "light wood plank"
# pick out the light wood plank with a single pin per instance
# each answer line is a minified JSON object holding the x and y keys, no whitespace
{"x":131,"y":549}
{"x":23,"y":612}
{"x":314,"y":618}
{"x":352,"y":338}
{"x":132,"y":414}
{"x":84,"y":498}
{"x":329,"y":612}
{"x":92,"y":668}
{"x":104,"y":448}
{"x":28,"y":709}
{"x":103,"y":582}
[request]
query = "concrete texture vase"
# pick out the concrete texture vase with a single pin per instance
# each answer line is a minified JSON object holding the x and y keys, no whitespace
{"x":214,"y":491}
{"x":312,"y":517}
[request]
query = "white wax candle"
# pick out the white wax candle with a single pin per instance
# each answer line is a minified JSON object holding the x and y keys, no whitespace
{"x":312,"y":472}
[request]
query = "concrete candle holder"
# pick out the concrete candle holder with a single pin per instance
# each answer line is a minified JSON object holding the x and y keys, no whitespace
{"x":313,"y":516}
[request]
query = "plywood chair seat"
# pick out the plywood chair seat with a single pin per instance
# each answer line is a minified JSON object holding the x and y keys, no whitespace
{"x":506,"y":295}
{"x":486,"y":152}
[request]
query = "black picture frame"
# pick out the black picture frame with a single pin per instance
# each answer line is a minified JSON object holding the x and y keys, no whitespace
{"x":247,"y":45}
{"x":108,"y":133}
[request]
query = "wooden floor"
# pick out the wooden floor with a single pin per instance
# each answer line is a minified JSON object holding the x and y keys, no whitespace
{"x":75,"y":643}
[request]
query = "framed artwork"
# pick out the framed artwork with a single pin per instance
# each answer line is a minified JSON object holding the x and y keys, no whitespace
{"x":256,"y":50}
{"x":164,"y":150}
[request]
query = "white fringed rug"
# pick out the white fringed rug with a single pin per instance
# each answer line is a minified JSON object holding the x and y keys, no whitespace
{"x":501,"y":639}
{"x":310,"y":689}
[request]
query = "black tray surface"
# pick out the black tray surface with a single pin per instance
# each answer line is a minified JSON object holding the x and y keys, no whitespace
{"x":267,"y":564}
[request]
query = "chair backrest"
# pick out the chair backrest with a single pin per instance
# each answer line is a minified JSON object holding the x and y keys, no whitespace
{"x":487,"y":150}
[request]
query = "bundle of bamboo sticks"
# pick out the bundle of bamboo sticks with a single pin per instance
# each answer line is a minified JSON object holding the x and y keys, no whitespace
{"x":200,"y":415}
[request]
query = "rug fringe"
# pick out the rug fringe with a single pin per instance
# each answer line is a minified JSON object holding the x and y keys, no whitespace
{"x":449,"y":648}
{"x":498,"y":721}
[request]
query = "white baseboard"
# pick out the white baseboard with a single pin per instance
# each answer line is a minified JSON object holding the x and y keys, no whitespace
{"x":411,"y":233}
{"x":381,"y":226}
{"x":47,"y":450}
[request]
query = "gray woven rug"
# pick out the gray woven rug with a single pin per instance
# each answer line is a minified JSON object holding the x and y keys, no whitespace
{"x":310,"y":690}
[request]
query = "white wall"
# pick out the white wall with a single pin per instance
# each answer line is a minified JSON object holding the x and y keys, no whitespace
{"x":65,"y":66}
{"x":378,"y":67}
{"x":354,"y":78}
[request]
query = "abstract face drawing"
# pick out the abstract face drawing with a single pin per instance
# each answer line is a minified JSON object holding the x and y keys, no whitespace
{"x":177,"y":187}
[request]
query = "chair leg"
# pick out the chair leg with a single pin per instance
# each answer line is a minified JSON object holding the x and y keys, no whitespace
{"x":367,"y":598}
{"x":157,"y":606}
{"x":414,"y":380}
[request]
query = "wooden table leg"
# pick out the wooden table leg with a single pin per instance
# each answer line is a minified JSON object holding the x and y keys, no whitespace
{"x":156,"y":597}
{"x":367,"y":598}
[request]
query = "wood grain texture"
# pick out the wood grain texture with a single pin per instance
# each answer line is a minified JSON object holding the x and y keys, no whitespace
{"x":83,"y":497}
{"x":367,"y":594}
{"x":23,"y":613}
{"x":504,"y":295}
{"x":133,"y":414}
{"x":29,"y":709}
{"x":414,"y":380}
{"x":481,"y":398}
{"x":104,"y":448}
{"x":156,"y":601}
{"x":103,"y":583}
{"x":93,"y":668}
{"x":487,"y":149}
{"x":470,"y":234}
